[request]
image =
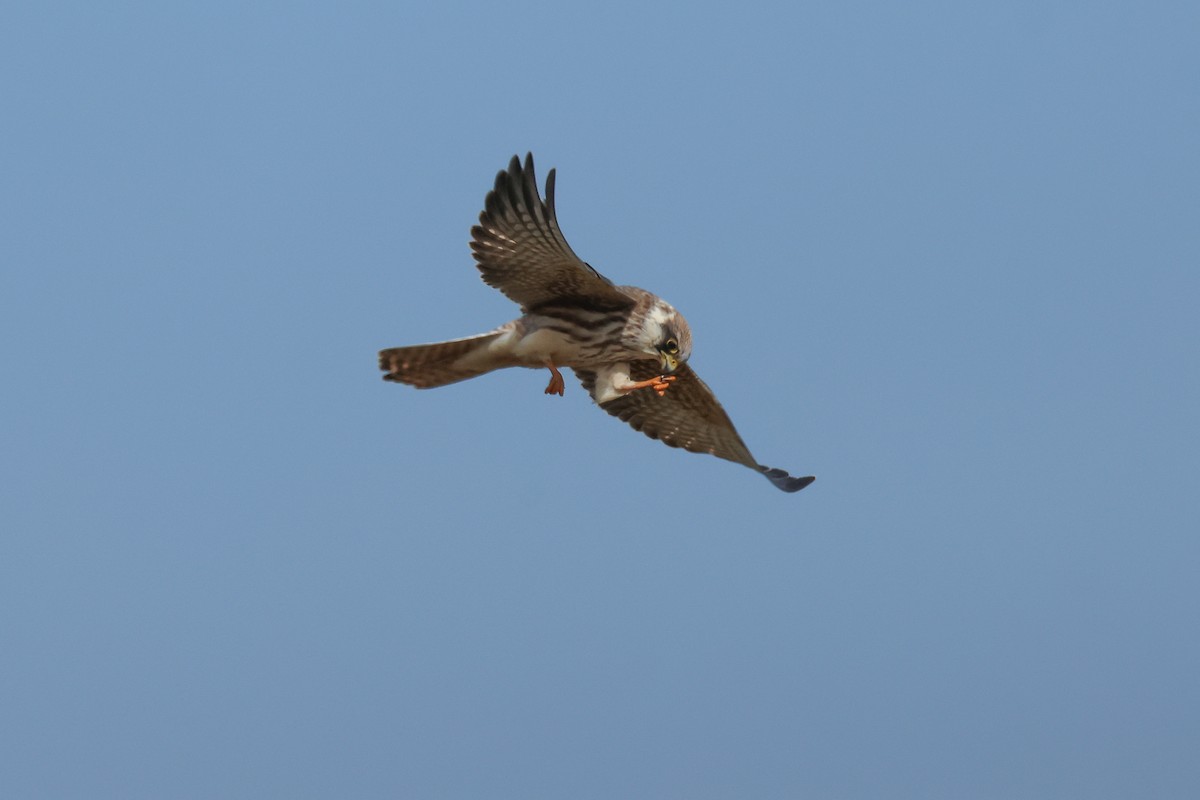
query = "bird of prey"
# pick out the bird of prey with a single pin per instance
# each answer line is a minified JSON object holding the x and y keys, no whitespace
{"x":628,"y":347}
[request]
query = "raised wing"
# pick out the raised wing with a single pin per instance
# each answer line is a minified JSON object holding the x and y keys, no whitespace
{"x":687,"y":416}
{"x":521,"y":251}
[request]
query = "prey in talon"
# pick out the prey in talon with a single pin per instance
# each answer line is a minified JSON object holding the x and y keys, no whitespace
{"x":616,"y":339}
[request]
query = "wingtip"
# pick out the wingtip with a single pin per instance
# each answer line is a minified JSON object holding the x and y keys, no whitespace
{"x":550,"y":193}
{"x":784,"y":481}
{"x":518,"y":175}
{"x":517,"y":172}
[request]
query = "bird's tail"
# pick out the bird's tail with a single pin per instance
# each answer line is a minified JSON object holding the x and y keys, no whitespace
{"x":428,"y":365}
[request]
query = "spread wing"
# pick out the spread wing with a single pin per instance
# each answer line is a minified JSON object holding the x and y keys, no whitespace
{"x":521,"y":251}
{"x":687,"y":416}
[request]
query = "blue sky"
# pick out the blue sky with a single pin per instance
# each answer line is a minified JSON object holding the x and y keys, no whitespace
{"x":943,"y":256}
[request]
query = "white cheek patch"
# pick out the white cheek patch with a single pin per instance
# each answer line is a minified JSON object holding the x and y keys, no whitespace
{"x":660,"y":313}
{"x":656,"y":322}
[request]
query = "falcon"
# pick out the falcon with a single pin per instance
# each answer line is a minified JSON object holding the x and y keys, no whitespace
{"x":628,"y":347}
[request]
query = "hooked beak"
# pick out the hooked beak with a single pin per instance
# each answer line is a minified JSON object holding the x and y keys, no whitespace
{"x":669,"y":362}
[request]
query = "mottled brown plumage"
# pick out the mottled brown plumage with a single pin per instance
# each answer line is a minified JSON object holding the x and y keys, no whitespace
{"x":687,"y":416}
{"x":628,"y":347}
{"x":521,"y":251}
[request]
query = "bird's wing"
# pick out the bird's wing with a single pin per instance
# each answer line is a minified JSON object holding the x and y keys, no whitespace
{"x":521,"y":251}
{"x":687,"y":416}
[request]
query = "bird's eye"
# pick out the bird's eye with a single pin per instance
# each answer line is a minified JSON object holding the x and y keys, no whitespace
{"x":671,"y":346}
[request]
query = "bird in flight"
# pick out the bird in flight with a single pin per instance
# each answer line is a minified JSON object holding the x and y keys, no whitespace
{"x":628,"y":347}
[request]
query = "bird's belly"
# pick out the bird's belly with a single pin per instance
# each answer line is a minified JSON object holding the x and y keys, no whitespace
{"x":542,"y":345}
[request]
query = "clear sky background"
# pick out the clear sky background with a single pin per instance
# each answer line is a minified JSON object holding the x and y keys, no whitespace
{"x":944,"y":256}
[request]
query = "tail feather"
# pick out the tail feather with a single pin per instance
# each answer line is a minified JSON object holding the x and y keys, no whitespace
{"x":428,"y":365}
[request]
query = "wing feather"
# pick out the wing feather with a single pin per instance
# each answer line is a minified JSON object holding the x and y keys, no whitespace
{"x":687,"y":416}
{"x":521,"y":251}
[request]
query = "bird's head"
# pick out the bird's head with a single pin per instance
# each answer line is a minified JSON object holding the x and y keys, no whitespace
{"x":667,"y":336}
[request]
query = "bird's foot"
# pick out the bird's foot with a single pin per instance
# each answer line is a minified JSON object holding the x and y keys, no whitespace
{"x":659,"y":384}
{"x":557,"y":384}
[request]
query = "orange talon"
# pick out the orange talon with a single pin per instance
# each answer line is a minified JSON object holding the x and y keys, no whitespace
{"x":659,"y":384}
{"x":557,"y":384}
